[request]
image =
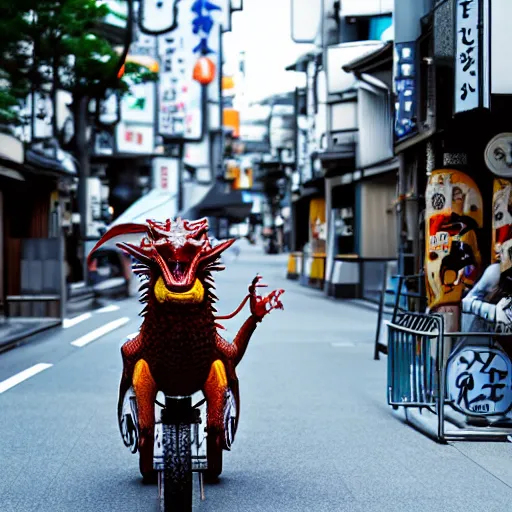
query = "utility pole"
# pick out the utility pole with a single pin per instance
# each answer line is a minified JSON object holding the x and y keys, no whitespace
{"x":81,"y":103}
{"x":325,"y":53}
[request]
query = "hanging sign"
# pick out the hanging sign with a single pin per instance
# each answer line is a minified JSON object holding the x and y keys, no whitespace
{"x":405,"y":90}
{"x":180,"y":106}
{"x":470,"y":49}
{"x":165,"y":174}
{"x":498,"y":155}
{"x":158,"y":16}
{"x":139,"y":105}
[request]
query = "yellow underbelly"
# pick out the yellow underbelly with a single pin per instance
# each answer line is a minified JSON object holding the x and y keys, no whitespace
{"x":193,"y":296}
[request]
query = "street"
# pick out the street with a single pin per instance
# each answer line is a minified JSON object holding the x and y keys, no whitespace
{"x":316,"y":433}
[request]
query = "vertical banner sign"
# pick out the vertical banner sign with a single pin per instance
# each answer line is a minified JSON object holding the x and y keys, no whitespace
{"x":93,"y":205}
{"x":405,"y":90}
{"x":165,"y":174}
{"x":470,"y":49}
{"x":180,"y":114}
{"x":164,"y":177}
{"x":180,"y":98}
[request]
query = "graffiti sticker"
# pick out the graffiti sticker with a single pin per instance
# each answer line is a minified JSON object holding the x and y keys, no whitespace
{"x":479,"y":381}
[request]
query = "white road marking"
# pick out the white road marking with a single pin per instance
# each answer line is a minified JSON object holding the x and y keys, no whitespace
{"x":343,"y":344}
{"x":70,"y":322}
{"x":108,"y":309}
{"x":24,"y":375}
{"x":101,"y":331}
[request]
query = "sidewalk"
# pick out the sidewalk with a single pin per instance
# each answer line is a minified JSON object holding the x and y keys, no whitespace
{"x":14,"y":330}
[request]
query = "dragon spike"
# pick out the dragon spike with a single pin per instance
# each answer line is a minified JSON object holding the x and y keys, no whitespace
{"x":217,"y":268}
{"x":137,"y":252}
{"x":144,"y":286}
{"x":159,"y":228}
{"x":219,"y":326}
{"x":121,"y":232}
{"x":213,"y":296}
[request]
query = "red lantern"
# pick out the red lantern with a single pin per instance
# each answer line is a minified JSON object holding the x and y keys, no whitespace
{"x":204,"y":71}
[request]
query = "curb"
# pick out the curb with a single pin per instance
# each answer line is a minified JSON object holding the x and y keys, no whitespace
{"x":14,"y":340}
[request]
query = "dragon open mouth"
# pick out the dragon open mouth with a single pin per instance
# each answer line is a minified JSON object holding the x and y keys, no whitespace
{"x":179,"y":276}
{"x":179,"y":270}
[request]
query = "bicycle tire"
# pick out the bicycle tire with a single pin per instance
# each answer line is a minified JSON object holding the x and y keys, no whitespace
{"x":175,"y":482}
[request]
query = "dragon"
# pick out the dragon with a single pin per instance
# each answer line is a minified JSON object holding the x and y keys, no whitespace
{"x":178,"y":349}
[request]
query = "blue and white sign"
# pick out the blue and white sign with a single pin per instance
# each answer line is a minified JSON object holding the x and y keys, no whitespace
{"x":479,"y":380}
{"x":405,"y":90}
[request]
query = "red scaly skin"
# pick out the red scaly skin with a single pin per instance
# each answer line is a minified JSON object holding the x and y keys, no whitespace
{"x":178,"y":350}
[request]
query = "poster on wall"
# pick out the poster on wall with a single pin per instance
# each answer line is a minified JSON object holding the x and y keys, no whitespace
{"x":502,"y":224}
{"x":454,"y":217}
{"x":139,"y":139}
{"x":498,"y":158}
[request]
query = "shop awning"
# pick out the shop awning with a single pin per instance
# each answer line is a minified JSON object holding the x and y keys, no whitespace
{"x":157,"y":205}
{"x":218,"y":202}
{"x":48,"y":155}
{"x":372,"y":61}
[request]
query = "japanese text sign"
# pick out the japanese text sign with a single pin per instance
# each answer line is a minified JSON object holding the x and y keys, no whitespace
{"x":467,"y":56}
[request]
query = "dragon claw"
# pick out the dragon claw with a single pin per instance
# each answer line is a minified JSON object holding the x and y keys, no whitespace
{"x":260,"y":306}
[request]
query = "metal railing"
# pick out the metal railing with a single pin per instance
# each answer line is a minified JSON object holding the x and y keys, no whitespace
{"x":462,"y":378}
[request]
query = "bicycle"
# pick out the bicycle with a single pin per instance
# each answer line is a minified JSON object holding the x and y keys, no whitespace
{"x":182,"y":446}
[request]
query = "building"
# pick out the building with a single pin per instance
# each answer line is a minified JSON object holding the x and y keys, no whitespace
{"x":35,"y":185}
{"x":345,"y":178}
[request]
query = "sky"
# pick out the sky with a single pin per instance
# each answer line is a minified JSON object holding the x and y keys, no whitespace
{"x":262,"y":29}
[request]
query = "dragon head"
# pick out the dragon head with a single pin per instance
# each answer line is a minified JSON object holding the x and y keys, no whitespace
{"x":174,"y":253}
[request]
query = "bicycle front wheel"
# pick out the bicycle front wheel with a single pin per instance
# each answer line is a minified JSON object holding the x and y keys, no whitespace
{"x":175,"y":481}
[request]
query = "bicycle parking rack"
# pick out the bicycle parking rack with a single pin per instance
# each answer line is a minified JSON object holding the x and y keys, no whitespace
{"x":440,"y":392}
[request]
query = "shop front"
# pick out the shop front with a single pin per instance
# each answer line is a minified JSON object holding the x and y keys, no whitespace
{"x":33,"y":257}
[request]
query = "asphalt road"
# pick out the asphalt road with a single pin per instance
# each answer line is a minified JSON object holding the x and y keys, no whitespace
{"x":315,"y":432}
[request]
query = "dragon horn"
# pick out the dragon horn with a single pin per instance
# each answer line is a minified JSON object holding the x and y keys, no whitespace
{"x":215,"y":252}
{"x":125,"y":231}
